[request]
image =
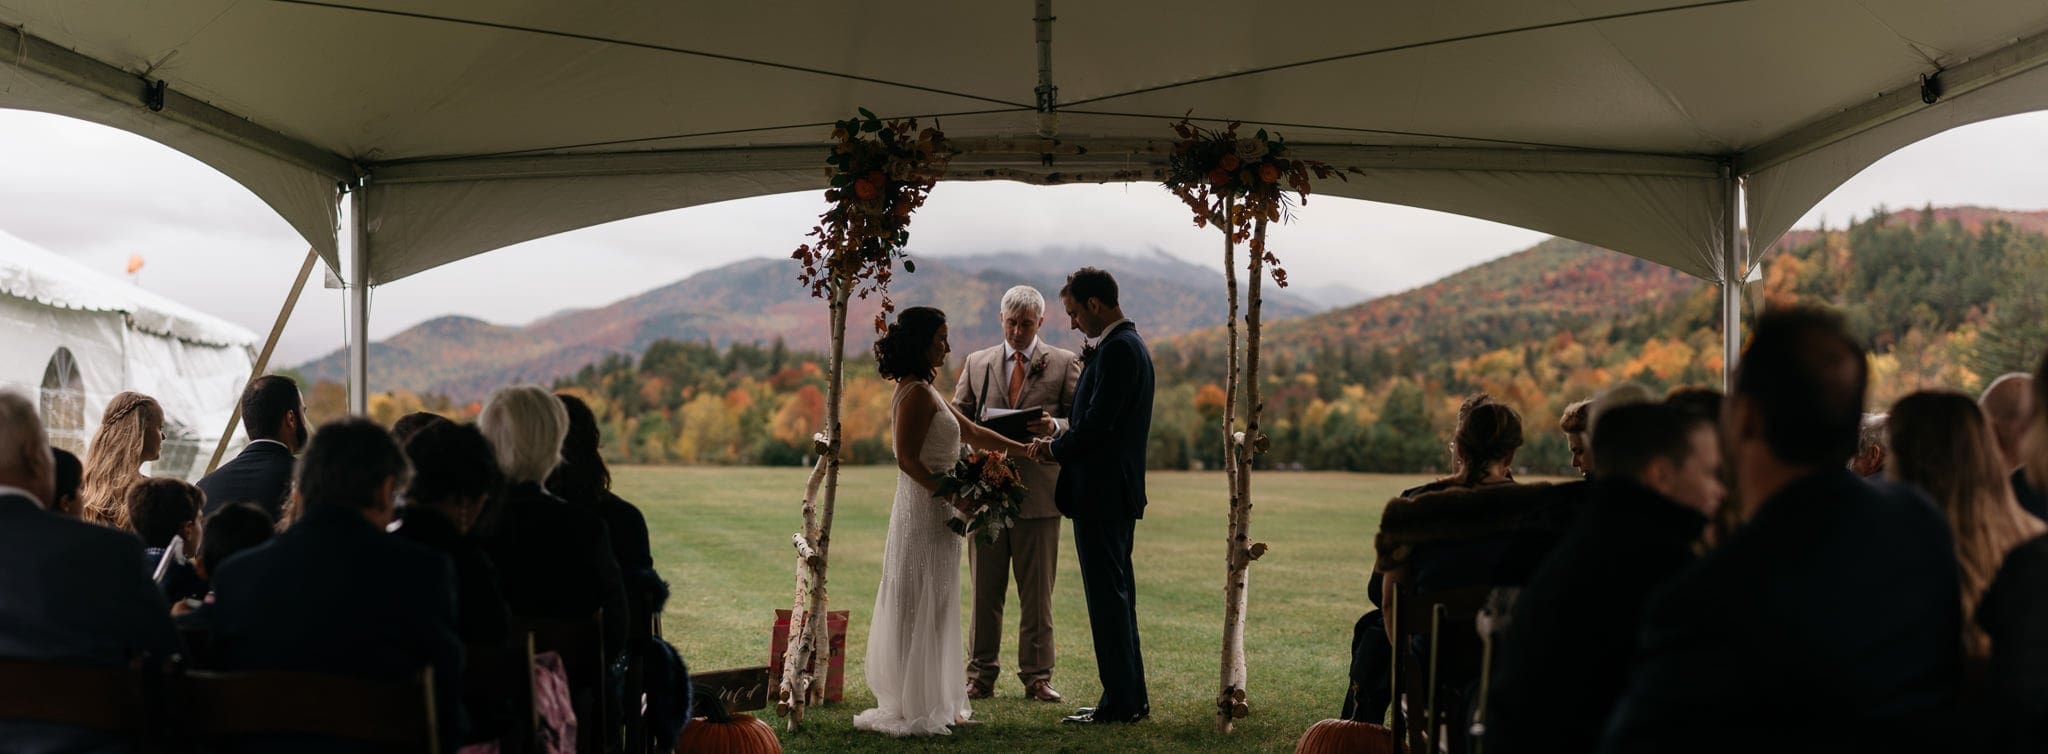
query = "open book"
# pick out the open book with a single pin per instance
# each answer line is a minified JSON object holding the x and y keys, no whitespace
{"x":1013,"y":423}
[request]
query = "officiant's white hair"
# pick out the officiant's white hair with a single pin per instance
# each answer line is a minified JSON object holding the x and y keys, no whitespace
{"x":1023,"y":297}
{"x":525,"y":425}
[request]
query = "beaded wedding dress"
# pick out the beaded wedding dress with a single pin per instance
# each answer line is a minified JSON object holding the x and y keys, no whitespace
{"x":913,"y":659}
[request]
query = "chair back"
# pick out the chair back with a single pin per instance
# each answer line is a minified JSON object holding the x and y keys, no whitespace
{"x":580,"y":643}
{"x":505,"y":672}
{"x":1430,"y":633}
{"x":217,"y":707}
{"x":100,"y":698}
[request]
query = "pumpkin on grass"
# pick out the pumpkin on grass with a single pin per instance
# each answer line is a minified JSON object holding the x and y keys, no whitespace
{"x":1346,"y":737}
{"x":720,"y":733}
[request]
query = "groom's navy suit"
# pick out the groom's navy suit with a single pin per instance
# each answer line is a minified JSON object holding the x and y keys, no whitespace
{"x":1102,"y":488}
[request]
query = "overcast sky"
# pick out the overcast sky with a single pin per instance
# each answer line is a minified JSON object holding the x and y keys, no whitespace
{"x":99,"y":195}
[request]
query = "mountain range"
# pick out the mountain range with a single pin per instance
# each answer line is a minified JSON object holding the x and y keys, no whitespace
{"x":758,"y":301}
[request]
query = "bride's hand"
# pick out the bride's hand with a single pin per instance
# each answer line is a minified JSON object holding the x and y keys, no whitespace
{"x":965,"y":508}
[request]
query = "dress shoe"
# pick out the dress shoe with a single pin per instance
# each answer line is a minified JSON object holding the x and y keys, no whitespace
{"x":1094,"y":716}
{"x":978,"y":690}
{"x":1041,"y":691}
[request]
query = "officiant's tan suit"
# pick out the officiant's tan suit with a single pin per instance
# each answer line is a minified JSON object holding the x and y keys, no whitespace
{"x":1032,"y":549}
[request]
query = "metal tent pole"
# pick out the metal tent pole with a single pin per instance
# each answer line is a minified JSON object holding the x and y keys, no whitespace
{"x":1732,"y":277}
{"x":359,"y":303}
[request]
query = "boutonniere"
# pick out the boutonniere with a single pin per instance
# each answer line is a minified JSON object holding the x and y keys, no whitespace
{"x":1037,"y":367}
{"x":1087,"y":353}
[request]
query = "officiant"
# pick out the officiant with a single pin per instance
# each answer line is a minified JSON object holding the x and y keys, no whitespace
{"x":1021,"y":388}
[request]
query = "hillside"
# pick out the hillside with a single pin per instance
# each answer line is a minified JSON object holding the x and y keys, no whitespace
{"x":758,"y":301}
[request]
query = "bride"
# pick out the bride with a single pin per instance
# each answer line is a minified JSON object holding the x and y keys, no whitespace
{"x":914,"y":659}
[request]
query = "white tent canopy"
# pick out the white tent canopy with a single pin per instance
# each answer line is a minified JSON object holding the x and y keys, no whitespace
{"x":75,"y":338}
{"x":463,"y":126}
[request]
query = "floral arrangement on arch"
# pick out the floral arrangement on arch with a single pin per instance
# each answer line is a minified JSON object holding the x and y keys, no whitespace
{"x":1235,"y":181}
{"x":880,"y":173}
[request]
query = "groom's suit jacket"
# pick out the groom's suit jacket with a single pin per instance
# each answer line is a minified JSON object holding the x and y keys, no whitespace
{"x":1050,"y":379}
{"x":1102,"y":453}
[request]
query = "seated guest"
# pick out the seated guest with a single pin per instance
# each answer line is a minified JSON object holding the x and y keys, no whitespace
{"x":334,"y":593}
{"x":582,"y":479}
{"x":2013,"y":704}
{"x":227,"y":533}
{"x":1566,"y":656}
{"x":2030,"y":483}
{"x":1483,"y":452}
{"x":1940,"y":443}
{"x":70,"y":592}
{"x":409,"y":424}
{"x":274,"y":416}
{"x":163,"y":510}
{"x":454,"y":472}
{"x":1573,"y":425}
{"x":1823,"y":624}
{"x":1871,"y":454}
{"x":131,"y":433}
{"x":1701,"y":401}
{"x":69,"y":470}
{"x":554,"y":559}
{"x":2010,"y":405}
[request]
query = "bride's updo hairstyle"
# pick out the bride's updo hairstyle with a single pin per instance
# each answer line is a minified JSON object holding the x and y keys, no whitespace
{"x":904,"y":352}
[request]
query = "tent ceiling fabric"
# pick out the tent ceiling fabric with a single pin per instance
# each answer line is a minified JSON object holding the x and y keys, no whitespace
{"x":483,"y":123}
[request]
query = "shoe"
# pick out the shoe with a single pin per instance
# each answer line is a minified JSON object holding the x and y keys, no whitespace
{"x":1041,"y":691}
{"x":978,"y":690}
{"x":1094,"y":716}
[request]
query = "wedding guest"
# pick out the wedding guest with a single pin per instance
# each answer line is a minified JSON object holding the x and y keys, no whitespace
{"x":334,"y":593}
{"x":1769,"y":640}
{"x":2009,"y":404}
{"x":583,"y":480}
{"x":1573,"y":425}
{"x":1872,"y":455}
{"x":554,"y":559}
{"x":274,"y":417}
{"x":409,"y":424}
{"x":69,"y":471}
{"x":73,"y":592}
{"x":164,"y":510}
{"x":2030,"y":483}
{"x":1482,"y":449}
{"x":1566,"y":658}
{"x":1700,"y":401}
{"x":454,"y":473}
{"x":228,"y":532}
{"x":131,"y":433}
{"x":1940,"y":443}
{"x":1020,"y":373}
{"x":2013,"y":706}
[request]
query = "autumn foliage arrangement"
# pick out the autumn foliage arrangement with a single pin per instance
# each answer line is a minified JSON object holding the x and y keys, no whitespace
{"x":988,"y":482}
{"x":880,"y":173}
{"x":1238,"y":183}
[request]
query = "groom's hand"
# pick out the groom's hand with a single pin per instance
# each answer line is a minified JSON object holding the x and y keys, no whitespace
{"x":1043,"y":426}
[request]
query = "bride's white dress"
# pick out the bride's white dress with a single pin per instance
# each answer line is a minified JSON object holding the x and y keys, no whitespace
{"x":914,"y":660}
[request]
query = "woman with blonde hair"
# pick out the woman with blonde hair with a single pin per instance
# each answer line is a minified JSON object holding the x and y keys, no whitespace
{"x":131,"y":433}
{"x":1941,"y":443}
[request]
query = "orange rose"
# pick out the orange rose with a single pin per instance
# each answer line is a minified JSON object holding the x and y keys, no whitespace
{"x":1219,"y":177}
{"x":865,"y":190}
{"x":1269,"y":172}
{"x":1230,"y":162}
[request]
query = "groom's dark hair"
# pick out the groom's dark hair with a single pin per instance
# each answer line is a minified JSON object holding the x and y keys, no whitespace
{"x":1090,"y":282}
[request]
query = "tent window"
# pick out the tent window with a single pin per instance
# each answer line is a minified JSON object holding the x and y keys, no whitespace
{"x":63,"y":402}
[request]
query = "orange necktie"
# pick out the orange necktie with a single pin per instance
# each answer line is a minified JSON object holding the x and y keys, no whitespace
{"x":1017,"y":379}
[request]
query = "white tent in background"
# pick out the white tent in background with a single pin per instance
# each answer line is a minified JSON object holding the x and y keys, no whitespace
{"x":75,"y":338}
{"x":1672,"y":130}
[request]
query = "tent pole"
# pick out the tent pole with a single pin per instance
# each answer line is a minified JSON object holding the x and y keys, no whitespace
{"x":1732,"y":277}
{"x":1048,"y":95}
{"x":359,"y":303}
{"x":284,"y":314}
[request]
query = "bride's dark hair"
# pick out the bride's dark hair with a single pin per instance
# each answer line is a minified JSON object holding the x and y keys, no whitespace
{"x":904,"y":352}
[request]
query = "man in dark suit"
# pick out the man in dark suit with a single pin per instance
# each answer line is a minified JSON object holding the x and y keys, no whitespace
{"x":70,"y":591}
{"x":334,"y":593}
{"x":1831,"y":621}
{"x":1102,"y":485}
{"x":1566,"y":655}
{"x":274,"y":416}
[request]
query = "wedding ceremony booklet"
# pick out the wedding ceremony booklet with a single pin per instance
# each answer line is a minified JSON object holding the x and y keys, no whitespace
{"x":163,"y":564}
{"x":1013,"y":423}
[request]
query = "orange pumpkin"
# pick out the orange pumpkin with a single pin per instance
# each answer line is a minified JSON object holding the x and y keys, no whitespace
{"x":739,"y":734}
{"x":1346,"y":737}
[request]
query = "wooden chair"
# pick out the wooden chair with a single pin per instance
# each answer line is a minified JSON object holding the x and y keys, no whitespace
{"x":490,"y":672}
{"x":214,"y":708}
{"x":1442,"y":624}
{"x":581,"y":646}
{"x":110,"y":699}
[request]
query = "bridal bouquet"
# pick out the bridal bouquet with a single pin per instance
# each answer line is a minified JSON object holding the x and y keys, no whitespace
{"x":987,"y":480}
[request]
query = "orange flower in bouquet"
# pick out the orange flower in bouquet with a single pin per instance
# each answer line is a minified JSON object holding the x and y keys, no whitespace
{"x":990,"y":485}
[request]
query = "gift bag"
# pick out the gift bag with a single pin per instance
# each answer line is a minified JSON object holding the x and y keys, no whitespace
{"x":835,"y":661}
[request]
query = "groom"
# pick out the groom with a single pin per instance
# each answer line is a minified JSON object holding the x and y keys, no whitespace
{"x":1101,"y":452}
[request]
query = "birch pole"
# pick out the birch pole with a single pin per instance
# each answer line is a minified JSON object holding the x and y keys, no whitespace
{"x":802,"y":661}
{"x":1240,"y":449}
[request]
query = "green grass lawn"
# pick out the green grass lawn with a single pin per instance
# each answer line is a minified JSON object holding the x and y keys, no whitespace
{"x":721,"y":537}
